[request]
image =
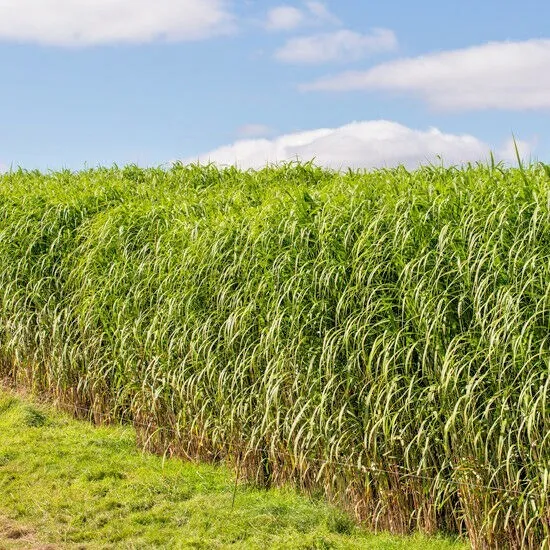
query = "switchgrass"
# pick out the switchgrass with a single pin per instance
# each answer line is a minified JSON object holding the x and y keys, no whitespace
{"x":381,"y":337}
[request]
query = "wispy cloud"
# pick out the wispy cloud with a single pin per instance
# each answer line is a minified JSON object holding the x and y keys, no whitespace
{"x":254,"y":131}
{"x":341,"y":45}
{"x":322,"y":13}
{"x":287,"y":17}
{"x":284,"y":18}
{"x":499,"y":75}
{"x":368,"y":144}
{"x":83,"y":23}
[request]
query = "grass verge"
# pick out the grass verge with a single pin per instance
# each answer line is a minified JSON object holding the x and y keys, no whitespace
{"x":68,"y":484}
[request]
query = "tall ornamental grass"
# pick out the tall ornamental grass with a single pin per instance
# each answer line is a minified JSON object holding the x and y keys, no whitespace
{"x":381,"y":338}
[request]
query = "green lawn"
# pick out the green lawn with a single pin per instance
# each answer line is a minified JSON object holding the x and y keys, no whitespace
{"x":68,"y":484}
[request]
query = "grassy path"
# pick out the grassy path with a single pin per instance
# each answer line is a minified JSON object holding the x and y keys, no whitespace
{"x":68,"y":484}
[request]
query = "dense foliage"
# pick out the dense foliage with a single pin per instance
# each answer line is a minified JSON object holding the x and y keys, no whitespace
{"x":383,"y":337}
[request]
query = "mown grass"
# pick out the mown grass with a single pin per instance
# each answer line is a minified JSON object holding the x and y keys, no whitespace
{"x":68,"y":484}
{"x":381,"y":337}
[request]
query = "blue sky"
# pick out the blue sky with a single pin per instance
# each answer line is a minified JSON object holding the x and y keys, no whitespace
{"x":133,"y":81}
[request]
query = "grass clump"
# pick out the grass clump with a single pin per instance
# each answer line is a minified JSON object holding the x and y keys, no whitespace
{"x":68,"y":484}
{"x":378,"y":337}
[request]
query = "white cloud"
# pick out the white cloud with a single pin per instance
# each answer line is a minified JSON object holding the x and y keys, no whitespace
{"x":501,"y":75}
{"x":88,"y":22}
{"x":342,"y":45}
{"x":284,"y":18}
{"x":369,"y":144}
{"x":254,"y":130}
{"x":287,"y":18}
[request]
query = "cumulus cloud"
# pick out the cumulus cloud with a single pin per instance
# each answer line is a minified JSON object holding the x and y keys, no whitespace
{"x":500,"y":75}
{"x":254,"y":130}
{"x":287,"y":18}
{"x":89,"y":22}
{"x":342,"y":45}
{"x":369,"y":144}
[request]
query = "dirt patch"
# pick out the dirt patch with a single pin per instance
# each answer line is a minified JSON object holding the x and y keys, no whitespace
{"x":16,"y":533}
{"x":14,"y":537}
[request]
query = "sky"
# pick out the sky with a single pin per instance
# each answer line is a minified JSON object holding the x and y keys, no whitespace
{"x":347,"y":83}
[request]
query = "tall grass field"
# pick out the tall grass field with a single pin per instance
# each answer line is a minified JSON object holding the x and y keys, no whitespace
{"x":382,"y":338}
